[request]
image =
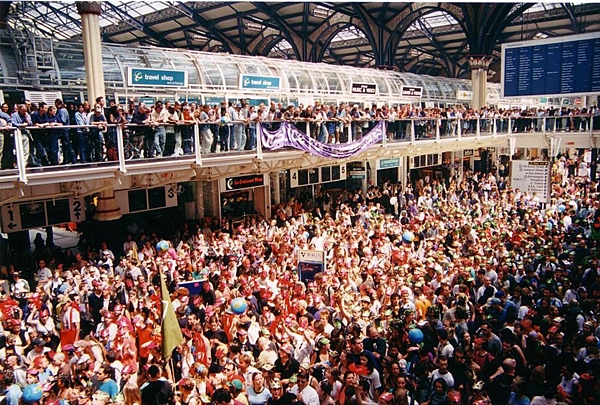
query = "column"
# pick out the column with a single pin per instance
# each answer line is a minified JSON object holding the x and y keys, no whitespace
{"x":479,"y":65}
{"x":275,"y":187}
{"x":92,"y":48}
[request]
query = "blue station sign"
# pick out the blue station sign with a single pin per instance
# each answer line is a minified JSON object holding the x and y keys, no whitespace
{"x":252,"y":82}
{"x":388,"y":163}
{"x":157,"y":78}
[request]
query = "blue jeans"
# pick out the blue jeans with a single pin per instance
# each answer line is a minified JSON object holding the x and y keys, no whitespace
{"x":82,"y":145}
{"x":53,"y":137}
{"x":160,"y":135}
{"x":231,"y":137}
{"x":252,"y":138}
{"x":323,"y":134}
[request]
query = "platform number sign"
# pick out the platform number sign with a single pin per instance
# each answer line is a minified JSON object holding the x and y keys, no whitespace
{"x":11,"y":220}
{"x":38,"y":214}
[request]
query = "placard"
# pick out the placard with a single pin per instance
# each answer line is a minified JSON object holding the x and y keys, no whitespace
{"x":310,"y":263}
{"x":532,"y":177}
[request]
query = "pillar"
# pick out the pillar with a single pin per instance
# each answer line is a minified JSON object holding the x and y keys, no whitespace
{"x":92,"y":48}
{"x":107,"y":208}
{"x":479,"y":65}
{"x":275,"y":187}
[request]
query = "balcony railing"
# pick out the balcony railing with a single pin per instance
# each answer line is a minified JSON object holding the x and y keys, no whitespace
{"x":39,"y":150}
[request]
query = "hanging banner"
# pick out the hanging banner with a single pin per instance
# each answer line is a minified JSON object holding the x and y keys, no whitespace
{"x":289,"y":136}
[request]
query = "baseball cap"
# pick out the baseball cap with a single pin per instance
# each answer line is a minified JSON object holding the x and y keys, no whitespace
{"x":287,"y":348}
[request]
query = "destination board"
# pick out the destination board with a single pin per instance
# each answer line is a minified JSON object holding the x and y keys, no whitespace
{"x":556,"y":66}
{"x":531,"y":177}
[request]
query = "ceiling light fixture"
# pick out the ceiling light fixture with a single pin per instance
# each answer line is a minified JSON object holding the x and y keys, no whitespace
{"x":322,"y":12}
{"x":252,"y":26}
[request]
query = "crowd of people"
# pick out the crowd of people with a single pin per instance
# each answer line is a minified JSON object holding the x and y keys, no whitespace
{"x":166,"y":128}
{"x":463,"y":291}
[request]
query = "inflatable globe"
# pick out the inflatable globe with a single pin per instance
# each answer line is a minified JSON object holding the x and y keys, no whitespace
{"x":408,"y":237}
{"x":32,"y":393}
{"x":238,"y":306}
{"x":162,"y":246}
{"x":415,"y":336}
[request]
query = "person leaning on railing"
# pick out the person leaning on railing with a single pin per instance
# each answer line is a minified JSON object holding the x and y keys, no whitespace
{"x":22,"y":119}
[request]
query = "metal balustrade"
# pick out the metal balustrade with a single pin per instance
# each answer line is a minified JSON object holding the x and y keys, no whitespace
{"x":123,"y":150}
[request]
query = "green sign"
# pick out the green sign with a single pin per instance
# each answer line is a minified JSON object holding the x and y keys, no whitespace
{"x":252,"y":82}
{"x":389,"y":163}
{"x":543,"y":100}
{"x":157,"y":78}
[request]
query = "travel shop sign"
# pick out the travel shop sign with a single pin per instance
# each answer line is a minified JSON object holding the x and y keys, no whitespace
{"x":157,"y":78}
{"x":252,"y":82}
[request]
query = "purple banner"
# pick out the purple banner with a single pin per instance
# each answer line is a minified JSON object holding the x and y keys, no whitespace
{"x":289,"y":136}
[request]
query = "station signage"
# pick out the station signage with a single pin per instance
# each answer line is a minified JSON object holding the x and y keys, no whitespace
{"x":533,"y":177}
{"x":364,"y":88}
{"x":310,"y":263}
{"x":157,"y":77}
{"x":411,"y":91}
{"x":388,"y":163}
{"x":39,"y":214}
{"x":464,"y":95}
{"x":252,"y":82}
{"x":241,"y":182}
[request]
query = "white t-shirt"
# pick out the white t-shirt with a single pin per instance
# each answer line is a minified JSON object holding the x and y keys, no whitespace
{"x":309,"y":395}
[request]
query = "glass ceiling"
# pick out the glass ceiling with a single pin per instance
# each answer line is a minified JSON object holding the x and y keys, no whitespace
{"x":59,"y":19}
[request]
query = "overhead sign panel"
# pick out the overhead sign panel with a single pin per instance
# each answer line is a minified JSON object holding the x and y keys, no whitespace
{"x":241,"y":182}
{"x":38,"y":214}
{"x":157,"y":78}
{"x":364,"y":88}
{"x":411,"y":91}
{"x":252,"y":82}
{"x":532,"y":177}
{"x":553,"y":66}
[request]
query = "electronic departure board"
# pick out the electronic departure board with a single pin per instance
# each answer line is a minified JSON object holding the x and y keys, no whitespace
{"x":556,"y":66}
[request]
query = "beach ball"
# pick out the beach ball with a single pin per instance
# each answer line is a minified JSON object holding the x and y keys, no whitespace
{"x":32,"y":393}
{"x":162,"y":246}
{"x":415,"y":336}
{"x":408,"y":237}
{"x":238,"y":306}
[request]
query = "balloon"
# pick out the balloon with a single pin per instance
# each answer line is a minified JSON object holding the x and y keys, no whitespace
{"x":32,"y":393}
{"x":238,"y":306}
{"x":408,"y":237}
{"x":415,"y":336}
{"x":162,"y":246}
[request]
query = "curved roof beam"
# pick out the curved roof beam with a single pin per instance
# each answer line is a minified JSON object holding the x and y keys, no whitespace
{"x":140,"y":26}
{"x":229,"y":45}
{"x":288,"y":32}
{"x":407,"y":17}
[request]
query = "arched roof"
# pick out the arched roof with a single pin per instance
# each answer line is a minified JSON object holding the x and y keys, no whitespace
{"x":428,"y":37}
